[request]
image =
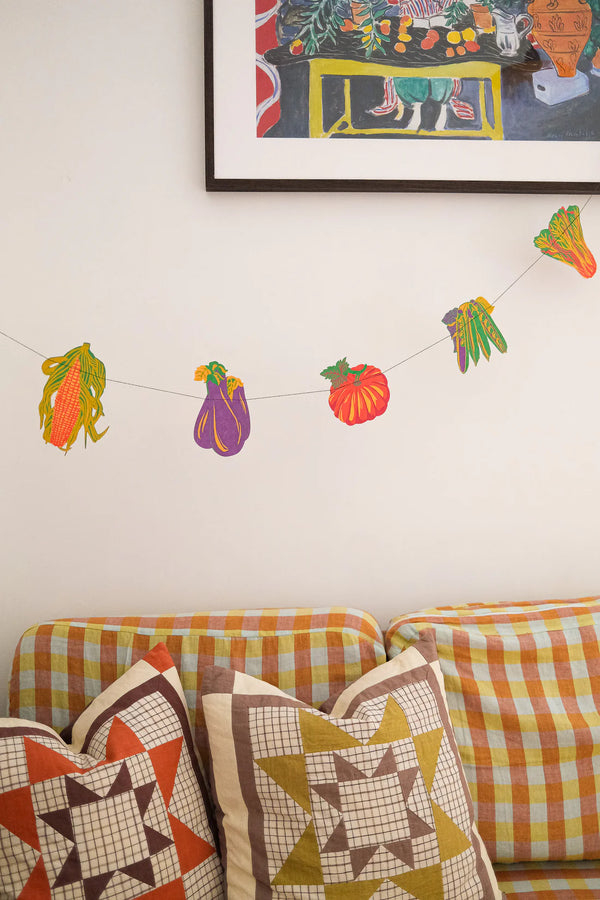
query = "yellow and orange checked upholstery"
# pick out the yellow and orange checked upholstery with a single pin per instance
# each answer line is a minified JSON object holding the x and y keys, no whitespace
{"x":523,"y":688}
{"x":61,"y":665}
{"x":576,"y":880}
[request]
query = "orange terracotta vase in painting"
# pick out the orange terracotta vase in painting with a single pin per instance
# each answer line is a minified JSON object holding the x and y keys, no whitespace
{"x":562,"y":28}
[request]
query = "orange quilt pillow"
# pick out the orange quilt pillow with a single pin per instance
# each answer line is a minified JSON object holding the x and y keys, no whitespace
{"x":120,"y":812}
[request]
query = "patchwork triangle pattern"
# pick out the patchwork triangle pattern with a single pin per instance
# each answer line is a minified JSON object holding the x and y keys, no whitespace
{"x":102,"y":824}
{"x":371,"y":808}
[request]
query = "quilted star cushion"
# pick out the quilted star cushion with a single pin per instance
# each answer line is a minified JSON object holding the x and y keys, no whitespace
{"x":118,"y":814}
{"x":367,"y":800}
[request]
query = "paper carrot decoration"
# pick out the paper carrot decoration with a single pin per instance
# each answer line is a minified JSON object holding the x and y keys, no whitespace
{"x":223,"y":423}
{"x":563,"y":240}
{"x":76,"y":381}
{"x":473,"y":329}
{"x":356,"y":395}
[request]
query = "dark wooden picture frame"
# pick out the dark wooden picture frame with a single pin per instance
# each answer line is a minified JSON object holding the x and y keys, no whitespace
{"x":219,"y":85}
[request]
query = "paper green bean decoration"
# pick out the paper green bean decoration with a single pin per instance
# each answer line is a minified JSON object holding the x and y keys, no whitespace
{"x":473,"y":330}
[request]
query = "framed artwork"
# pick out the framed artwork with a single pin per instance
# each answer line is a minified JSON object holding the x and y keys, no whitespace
{"x":403,"y":95}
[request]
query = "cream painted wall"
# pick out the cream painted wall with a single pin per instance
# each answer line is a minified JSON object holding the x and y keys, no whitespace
{"x":469,"y":487}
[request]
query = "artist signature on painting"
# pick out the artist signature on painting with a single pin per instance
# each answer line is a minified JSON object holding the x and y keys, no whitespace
{"x":578,"y":135}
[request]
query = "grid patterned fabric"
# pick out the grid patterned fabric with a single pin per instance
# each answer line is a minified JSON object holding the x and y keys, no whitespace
{"x":60,"y":666}
{"x":116,"y":814}
{"x":579,"y":880}
{"x":368,"y":801}
{"x":523,"y":687}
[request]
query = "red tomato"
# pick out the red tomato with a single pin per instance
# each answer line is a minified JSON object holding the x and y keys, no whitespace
{"x":472,"y":46}
{"x":427,"y":44}
{"x":357,"y":394}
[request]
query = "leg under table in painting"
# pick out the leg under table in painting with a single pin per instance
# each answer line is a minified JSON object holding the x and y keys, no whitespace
{"x":488,"y":127}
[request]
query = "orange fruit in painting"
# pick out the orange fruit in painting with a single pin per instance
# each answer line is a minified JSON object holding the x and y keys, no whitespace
{"x":400,"y":48}
{"x":461,"y":50}
{"x":449,"y":51}
{"x":472,"y":46}
{"x":385,"y":26}
{"x":348,"y":25}
{"x":406,"y":21}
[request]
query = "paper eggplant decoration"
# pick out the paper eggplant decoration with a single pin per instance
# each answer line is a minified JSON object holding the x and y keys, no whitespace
{"x":223,"y":423}
{"x":76,"y":381}
{"x":473,"y":329}
{"x":358,"y":394}
{"x":563,"y":240}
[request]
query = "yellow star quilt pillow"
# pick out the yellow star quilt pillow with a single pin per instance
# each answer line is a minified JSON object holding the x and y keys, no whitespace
{"x":366,"y":801}
{"x":117,"y":814}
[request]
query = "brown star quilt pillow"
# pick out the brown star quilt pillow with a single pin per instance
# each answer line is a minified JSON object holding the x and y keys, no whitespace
{"x":119,"y":813}
{"x":367,"y":800}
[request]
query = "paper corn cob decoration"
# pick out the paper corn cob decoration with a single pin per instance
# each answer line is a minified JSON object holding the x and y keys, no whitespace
{"x":473,"y":329}
{"x":76,"y":381}
{"x":223,"y":423}
{"x":563,"y":240}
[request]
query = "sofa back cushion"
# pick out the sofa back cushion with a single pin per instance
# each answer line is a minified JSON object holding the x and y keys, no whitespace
{"x":523,"y":688}
{"x":61,"y":665}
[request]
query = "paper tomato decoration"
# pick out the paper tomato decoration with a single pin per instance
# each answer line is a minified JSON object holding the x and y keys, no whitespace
{"x":357,"y":394}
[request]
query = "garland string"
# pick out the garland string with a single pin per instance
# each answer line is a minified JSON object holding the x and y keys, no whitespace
{"x":406,"y":359}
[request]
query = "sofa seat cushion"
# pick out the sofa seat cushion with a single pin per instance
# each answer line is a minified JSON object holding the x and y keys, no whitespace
{"x":523,"y":688}
{"x":576,"y":880}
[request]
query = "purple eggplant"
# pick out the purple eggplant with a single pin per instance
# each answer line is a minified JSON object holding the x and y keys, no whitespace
{"x":223,"y":423}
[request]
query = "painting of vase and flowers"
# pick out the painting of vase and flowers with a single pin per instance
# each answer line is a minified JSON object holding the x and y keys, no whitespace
{"x":508,"y":70}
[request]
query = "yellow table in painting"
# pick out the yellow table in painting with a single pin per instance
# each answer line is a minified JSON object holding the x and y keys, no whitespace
{"x":482,"y":71}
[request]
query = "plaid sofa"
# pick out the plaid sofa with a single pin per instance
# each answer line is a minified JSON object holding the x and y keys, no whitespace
{"x":60,"y":666}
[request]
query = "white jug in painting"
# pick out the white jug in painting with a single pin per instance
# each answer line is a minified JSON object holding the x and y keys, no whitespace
{"x":510,"y":30}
